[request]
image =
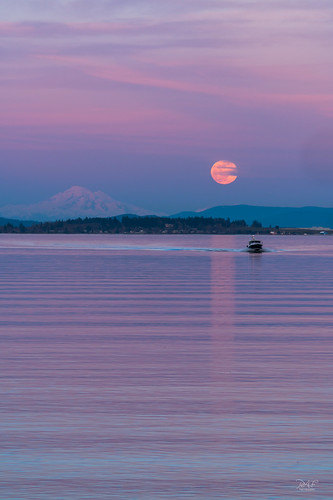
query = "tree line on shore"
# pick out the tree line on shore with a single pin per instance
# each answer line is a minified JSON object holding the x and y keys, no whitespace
{"x":139,"y":225}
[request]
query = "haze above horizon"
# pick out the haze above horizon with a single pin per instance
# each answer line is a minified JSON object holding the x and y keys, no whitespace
{"x":79,"y":202}
{"x":140,"y":99}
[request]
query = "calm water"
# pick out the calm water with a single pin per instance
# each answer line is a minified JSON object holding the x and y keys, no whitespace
{"x":136,"y":367}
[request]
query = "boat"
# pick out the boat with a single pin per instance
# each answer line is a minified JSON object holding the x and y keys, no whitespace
{"x":254,"y":245}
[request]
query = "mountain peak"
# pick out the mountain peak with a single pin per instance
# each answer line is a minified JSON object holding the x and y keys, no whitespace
{"x":74,"y":202}
{"x":73,"y":192}
{"x":77,"y":191}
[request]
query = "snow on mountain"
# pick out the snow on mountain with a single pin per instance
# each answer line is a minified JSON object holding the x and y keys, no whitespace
{"x":72,"y":203}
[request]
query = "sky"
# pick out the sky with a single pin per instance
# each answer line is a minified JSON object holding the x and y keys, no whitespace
{"x":138,"y":98}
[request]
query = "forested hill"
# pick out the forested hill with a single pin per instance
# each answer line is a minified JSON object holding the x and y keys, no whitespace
{"x":274,"y":216}
{"x":15,"y":222}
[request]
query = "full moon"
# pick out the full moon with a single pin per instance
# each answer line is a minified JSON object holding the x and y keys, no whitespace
{"x":224,"y":172}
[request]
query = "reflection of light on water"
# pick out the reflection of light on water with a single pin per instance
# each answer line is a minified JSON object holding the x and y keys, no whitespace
{"x":222,"y":321}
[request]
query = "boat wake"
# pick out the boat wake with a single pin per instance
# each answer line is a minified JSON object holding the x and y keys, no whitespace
{"x":47,"y":245}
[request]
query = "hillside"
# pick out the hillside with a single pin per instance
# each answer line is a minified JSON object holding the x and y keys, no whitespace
{"x":270,"y":216}
{"x":15,"y":222}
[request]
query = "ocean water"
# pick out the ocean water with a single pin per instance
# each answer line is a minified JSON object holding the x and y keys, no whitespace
{"x":165,"y":367}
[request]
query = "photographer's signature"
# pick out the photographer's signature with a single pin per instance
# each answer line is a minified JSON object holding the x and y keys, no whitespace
{"x":306,"y":485}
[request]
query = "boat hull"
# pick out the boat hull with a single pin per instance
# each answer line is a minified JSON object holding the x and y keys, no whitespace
{"x":254,"y":246}
{"x":255,"y":250}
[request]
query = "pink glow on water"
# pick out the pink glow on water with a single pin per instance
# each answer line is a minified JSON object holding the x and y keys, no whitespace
{"x":159,"y":367}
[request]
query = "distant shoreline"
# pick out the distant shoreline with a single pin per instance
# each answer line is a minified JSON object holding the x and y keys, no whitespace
{"x":157,"y":225}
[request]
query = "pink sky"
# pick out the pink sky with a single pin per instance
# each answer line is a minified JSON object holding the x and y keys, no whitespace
{"x":139,"y":99}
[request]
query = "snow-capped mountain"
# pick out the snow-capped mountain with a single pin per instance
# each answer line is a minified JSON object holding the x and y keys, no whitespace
{"x":74,"y":202}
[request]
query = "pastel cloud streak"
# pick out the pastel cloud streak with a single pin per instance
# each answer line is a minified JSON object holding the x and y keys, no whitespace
{"x":196,"y":77}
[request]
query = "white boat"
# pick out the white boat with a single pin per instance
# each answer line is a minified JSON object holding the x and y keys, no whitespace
{"x":254,"y":245}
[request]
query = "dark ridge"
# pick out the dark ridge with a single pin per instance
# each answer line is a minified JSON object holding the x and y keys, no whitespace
{"x":298,"y":217}
{"x":16,"y":222}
